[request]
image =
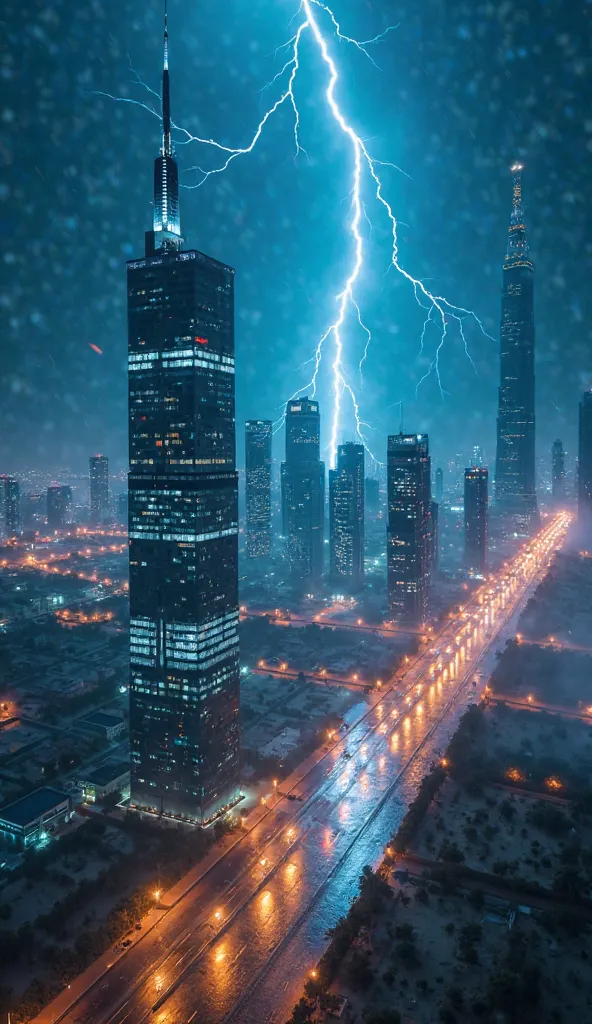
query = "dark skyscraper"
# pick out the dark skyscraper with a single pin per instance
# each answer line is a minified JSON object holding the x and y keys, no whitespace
{"x":99,"y":489}
{"x":258,"y":487}
{"x":515,"y":494}
{"x":10,"y":506}
{"x":59,"y":507}
{"x":585,"y":462}
{"x":372,"y":496}
{"x":558,"y":470}
{"x":476,"y":519}
{"x":303,"y":491}
{"x":346,"y":516}
{"x":434,"y":537}
{"x":408,"y":529}
{"x":183,"y":518}
{"x":439,"y":485}
{"x":122,"y":508}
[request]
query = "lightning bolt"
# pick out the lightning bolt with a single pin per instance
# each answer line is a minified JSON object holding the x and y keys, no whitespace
{"x":365,"y":169}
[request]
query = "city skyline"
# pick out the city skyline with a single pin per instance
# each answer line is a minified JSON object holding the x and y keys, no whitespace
{"x":78,"y":405}
{"x":353,"y":547}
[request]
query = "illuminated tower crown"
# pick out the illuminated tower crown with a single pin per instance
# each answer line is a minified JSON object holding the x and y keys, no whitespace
{"x":517,"y":248}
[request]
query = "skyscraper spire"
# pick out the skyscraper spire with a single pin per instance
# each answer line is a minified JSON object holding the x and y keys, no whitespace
{"x":167,"y":149}
{"x":517,"y":247}
{"x":166,"y":224}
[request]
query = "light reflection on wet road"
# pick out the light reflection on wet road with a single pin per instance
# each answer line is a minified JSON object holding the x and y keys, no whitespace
{"x":237,"y":948}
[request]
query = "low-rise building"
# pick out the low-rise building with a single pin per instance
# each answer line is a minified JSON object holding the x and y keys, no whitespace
{"x":33,"y":817}
{"x":109,"y":778}
{"x":107,"y":726}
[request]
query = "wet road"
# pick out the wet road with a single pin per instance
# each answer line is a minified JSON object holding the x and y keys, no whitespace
{"x":237,"y":946}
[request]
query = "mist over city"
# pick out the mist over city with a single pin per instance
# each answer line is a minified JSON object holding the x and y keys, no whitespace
{"x":295,"y":512}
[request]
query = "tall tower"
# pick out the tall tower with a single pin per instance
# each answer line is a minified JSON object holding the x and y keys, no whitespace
{"x":409,"y":539}
{"x":476,"y":524}
{"x":258,"y":487}
{"x":515,"y":493}
{"x":99,"y":488}
{"x":585,"y":463}
{"x":558,"y":470}
{"x":59,"y":507}
{"x":183,"y":517}
{"x":346,"y":516}
{"x":10,"y":506}
{"x":303,"y":492}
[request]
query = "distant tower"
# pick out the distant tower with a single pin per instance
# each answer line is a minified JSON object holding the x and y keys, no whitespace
{"x":372,"y":497}
{"x":99,"y":489}
{"x":408,"y":529}
{"x":258,"y":487}
{"x":476,"y":516}
{"x":303,"y":492}
{"x":346,"y":516}
{"x":477,"y":455}
{"x":10,"y":506}
{"x":59,"y":507}
{"x":434,"y":541}
{"x":585,"y":462}
{"x":439,"y":485}
{"x":515,"y":494}
{"x":558,"y":470}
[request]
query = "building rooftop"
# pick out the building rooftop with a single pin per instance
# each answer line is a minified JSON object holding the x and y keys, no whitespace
{"x":103,"y":719}
{"x":107,"y":773}
{"x":30,"y":807}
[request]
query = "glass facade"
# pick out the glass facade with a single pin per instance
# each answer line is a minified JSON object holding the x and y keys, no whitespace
{"x":476,"y":519}
{"x":303,"y":492}
{"x":183,"y":532}
{"x":409,"y":526}
{"x":346,"y":516}
{"x":99,"y":489}
{"x":515,"y":492}
{"x":258,"y":487}
{"x":10,"y":506}
{"x":59,"y":507}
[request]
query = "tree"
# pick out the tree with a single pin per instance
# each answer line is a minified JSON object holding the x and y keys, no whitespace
{"x":382,"y":1015}
{"x":570,"y":883}
{"x":359,"y":972}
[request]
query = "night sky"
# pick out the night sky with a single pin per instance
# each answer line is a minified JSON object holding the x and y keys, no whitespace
{"x":461,"y":90}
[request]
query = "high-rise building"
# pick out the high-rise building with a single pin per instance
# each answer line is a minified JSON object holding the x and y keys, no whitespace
{"x":585,"y":461}
{"x":303,"y":492}
{"x":34,"y":510}
{"x":434,"y":536}
{"x":558,"y":470}
{"x":122,"y":508}
{"x":439,"y":485}
{"x":408,"y":529}
{"x":258,"y":487}
{"x":372,"y":496}
{"x":515,"y":493}
{"x":346,"y":516}
{"x":59,"y":507}
{"x":477,"y":455}
{"x":10,"y":506}
{"x":183,"y":517}
{"x":476,"y":519}
{"x":99,"y":489}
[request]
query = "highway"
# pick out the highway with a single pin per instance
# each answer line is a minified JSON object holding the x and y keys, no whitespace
{"x":237,"y":947}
